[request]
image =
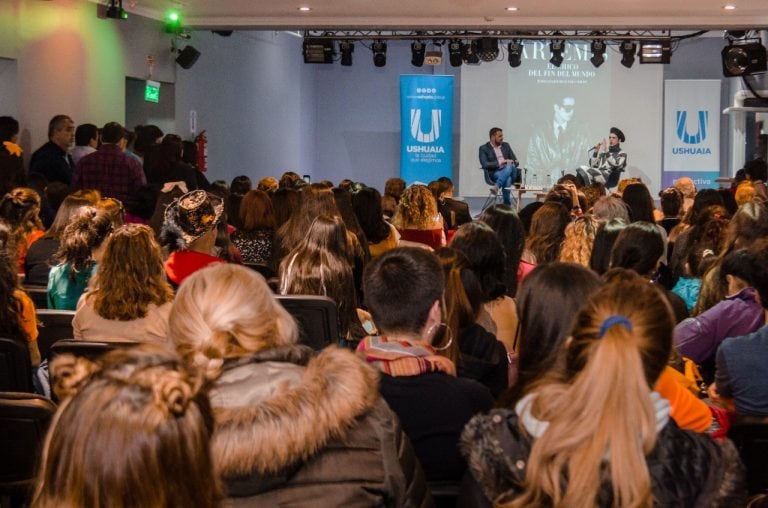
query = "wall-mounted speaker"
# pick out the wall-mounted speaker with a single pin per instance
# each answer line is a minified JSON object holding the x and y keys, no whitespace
{"x":187,"y":57}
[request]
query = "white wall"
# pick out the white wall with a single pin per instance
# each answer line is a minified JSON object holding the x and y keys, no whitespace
{"x":253,"y":95}
{"x":69,"y":61}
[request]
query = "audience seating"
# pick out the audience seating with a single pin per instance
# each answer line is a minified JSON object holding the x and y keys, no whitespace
{"x":53,"y":325}
{"x":750,"y":435}
{"x":317,"y":317}
{"x":38,"y":294}
{"x":15,"y":367}
{"x":86,"y":348}
{"x":445,"y":494}
{"x":266,"y":271}
{"x":24,"y":420}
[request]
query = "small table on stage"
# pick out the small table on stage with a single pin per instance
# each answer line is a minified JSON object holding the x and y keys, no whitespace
{"x":537,"y":190}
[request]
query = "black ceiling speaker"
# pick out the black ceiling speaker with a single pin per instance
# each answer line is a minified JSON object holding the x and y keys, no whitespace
{"x":187,"y":57}
{"x":744,"y":59}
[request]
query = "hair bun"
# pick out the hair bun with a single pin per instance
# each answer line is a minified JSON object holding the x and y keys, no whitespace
{"x":173,"y":392}
{"x":69,"y":372}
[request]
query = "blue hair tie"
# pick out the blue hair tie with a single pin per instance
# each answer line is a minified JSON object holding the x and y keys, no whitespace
{"x":611,"y":321}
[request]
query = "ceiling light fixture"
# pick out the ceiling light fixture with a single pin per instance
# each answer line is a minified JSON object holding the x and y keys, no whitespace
{"x":418,"y":49}
{"x":346,"y":49}
{"x":379,"y":49}
{"x":628,"y":49}
{"x":304,"y":8}
{"x":515,"y":53}
{"x":729,"y":7}
{"x":598,"y":53}
{"x":454,"y":53}
{"x":656,"y":52}
{"x":556,"y":50}
{"x":486,"y":48}
{"x":511,"y":9}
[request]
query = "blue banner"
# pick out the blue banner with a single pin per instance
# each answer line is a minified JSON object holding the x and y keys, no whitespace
{"x":426,"y":127}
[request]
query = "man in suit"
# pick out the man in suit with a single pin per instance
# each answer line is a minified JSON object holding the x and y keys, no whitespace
{"x":500,"y":161}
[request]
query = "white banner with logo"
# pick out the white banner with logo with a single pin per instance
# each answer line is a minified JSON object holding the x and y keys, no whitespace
{"x":692,"y":131}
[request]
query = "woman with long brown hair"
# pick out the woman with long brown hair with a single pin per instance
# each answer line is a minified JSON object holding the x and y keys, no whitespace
{"x":542,"y":245}
{"x":41,"y":255}
{"x":321,"y":264}
{"x":129,"y":298}
{"x":594,"y":433}
{"x":133,"y":430}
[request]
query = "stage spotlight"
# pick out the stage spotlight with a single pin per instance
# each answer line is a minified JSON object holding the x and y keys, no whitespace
{"x":486,"y":48}
{"x":628,"y":49}
{"x":379,"y":49}
{"x":454,"y":53}
{"x":468,"y":54}
{"x":598,"y":53}
{"x":652,"y":52}
{"x":744,"y":59}
{"x":346,"y":49}
{"x":115,"y":10}
{"x":515,"y":53}
{"x":556,"y":50}
{"x":173,"y":22}
{"x":318,"y":51}
{"x":417,"y":53}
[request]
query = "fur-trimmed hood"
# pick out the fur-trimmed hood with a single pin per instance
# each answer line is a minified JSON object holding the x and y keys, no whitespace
{"x":284,"y":405}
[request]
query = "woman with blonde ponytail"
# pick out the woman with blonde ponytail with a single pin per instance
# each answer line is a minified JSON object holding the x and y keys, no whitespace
{"x":594,"y":433}
{"x":291,"y":426}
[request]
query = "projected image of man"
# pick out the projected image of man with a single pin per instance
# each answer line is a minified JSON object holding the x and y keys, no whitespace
{"x":559,"y":144}
{"x":497,"y":157}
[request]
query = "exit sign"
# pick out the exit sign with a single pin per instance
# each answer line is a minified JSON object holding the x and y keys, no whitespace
{"x":152,"y":91}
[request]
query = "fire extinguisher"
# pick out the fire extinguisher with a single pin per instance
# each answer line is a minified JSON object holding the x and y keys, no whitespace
{"x":202,"y":151}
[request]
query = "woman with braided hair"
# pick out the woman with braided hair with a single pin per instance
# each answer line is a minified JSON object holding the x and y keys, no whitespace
{"x":79,"y":252}
{"x":132,"y":430}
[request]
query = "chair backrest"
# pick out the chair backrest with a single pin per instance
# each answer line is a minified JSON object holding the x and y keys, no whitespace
{"x":24,"y":420}
{"x":750,"y":435}
{"x":317,"y":317}
{"x":487,"y":176}
{"x":266,"y":271}
{"x":15,"y":367}
{"x":53,"y":325}
{"x":38,"y":294}
{"x":87,"y":348}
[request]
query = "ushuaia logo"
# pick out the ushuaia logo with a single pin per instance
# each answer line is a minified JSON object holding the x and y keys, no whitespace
{"x":434,"y":128}
{"x":691,"y":139}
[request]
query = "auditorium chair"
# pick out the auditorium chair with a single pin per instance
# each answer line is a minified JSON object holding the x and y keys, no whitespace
{"x":38,"y":294}
{"x":24,"y":420}
{"x":53,"y":325}
{"x":317,"y":317}
{"x":750,"y":435}
{"x":89,"y":349}
{"x":15,"y":367}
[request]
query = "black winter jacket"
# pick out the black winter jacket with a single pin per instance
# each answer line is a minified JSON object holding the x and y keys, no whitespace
{"x":686,"y":468}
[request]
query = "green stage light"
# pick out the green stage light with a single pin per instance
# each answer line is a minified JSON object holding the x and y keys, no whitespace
{"x":173,"y":22}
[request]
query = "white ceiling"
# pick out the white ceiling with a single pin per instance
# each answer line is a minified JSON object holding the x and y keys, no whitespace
{"x":455,"y":14}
